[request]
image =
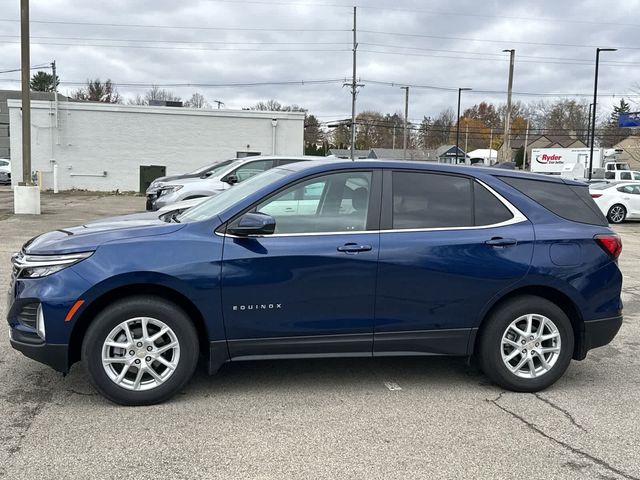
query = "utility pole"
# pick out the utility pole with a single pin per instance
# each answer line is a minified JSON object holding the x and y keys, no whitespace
{"x":26,"y":93}
{"x":55,"y":90}
{"x":466,"y":142}
{"x":507,"y":119}
{"x":595,"y":104}
{"x":526,"y":141}
{"x":491,"y":146}
{"x":219,"y":103}
{"x":353,"y":87}
{"x":589,"y":124}
{"x":406,"y":122}
{"x":393,"y":143}
{"x":458,"y":125}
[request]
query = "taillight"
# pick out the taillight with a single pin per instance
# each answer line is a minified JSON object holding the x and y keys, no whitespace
{"x":596,"y":195}
{"x":610,"y":243}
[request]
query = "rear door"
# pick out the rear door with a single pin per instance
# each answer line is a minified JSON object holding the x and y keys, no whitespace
{"x":448,"y":244}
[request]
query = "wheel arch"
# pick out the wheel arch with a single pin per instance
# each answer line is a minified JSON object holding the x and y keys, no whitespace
{"x":132,"y":290}
{"x":559,"y":298}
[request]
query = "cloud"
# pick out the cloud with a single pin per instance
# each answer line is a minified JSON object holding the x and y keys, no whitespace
{"x":451,"y":44}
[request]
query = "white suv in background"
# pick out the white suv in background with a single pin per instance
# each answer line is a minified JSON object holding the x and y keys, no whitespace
{"x":5,"y":170}
{"x":167,"y":193}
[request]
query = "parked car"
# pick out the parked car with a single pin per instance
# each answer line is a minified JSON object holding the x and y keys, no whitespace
{"x":376,"y":258}
{"x":202,"y":172}
{"x":619,"y":201}
{"x":5,"y":170}
{"x":215,"y":181}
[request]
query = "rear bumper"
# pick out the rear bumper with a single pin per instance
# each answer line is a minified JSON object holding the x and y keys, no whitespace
{"x":598,"y":333}
{"x":55,"y":356}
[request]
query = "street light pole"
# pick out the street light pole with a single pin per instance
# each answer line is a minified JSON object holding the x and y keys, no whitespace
{"x":595,"y":105}
{"x":406,"y":122}
{"x":507,"y":119}
{"x":458,"y":124}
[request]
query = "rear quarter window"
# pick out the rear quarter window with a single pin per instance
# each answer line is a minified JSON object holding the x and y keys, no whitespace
{"x":571,"y":202}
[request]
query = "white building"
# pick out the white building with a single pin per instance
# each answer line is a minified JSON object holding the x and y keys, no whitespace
{"x":99,"y":146}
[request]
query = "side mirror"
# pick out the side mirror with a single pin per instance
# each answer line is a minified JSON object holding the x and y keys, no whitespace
{"x":253,"y":224}
{"x":231,"y":179}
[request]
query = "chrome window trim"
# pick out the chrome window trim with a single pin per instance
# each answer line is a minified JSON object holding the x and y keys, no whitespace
{"x":518,"y":217}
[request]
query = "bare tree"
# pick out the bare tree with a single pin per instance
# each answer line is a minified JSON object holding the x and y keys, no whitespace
{"x":197,"y":100}
{"x":275,"y":106}
{"x":97,"y":91}
{"x":157,"y":93}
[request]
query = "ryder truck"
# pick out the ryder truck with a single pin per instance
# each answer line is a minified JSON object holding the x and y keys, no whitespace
{"x":574,"y":162}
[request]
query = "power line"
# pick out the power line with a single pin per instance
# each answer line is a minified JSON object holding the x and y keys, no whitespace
{"x":340,"y":81}
{"x":496,"y":92}
{"x":457,"y":57}
{"x":481,"y":55}
{"x":176,"y":41}
{"x":152,"y":47}
{"x":179,"y":27}
{"x":431,"y":12}
{"x":440,"y":37}
{"x":19,"y":69}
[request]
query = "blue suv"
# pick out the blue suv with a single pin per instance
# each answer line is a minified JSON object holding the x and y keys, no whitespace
{"x":328,"y":259}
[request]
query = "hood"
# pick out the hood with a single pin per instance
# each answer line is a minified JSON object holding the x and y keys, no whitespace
{"x":91,"y":235}
{"x":172,"y":178}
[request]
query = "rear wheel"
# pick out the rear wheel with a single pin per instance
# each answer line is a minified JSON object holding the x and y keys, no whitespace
{"x":140,"y":351}
{"x":526,"y":344}
{"x":617,"y":213}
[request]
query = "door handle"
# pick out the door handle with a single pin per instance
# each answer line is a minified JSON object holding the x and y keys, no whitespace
{"x":501,"y":242}
{"x":354,"y":248}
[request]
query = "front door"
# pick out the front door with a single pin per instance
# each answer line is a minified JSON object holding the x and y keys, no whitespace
{"x":309,"y":288}
{"x":448,"y":245}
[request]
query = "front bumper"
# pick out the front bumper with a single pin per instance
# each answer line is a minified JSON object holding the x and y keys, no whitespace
{"x":597,"y":333}
{"x":55,"y":356}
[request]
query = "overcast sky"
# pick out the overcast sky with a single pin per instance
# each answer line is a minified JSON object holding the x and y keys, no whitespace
{"x":455,"y":43}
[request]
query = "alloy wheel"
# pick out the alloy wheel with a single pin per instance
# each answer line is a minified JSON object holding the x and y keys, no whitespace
{"x":617,"y":213}
{"x":140,"y":353}
{"x":530,"y":346}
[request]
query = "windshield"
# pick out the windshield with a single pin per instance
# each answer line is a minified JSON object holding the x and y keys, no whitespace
{"x":226,"y":199}
{"x":211,"y":168}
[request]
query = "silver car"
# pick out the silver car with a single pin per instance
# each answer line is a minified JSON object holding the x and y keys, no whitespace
{"x":227,"y":174}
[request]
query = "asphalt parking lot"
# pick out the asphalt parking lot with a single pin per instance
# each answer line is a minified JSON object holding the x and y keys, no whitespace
{"x":354,"y":418}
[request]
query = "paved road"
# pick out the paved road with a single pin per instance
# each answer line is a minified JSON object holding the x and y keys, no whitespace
{"x":329,"y":419}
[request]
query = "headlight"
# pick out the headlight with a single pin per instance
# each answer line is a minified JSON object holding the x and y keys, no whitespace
{"x":169,"y":189}
{"x":36,"y":266}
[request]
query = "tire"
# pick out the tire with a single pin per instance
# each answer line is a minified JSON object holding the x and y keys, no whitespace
{"x":494,"y":349}
{"x":617,"y":213}
{"x":178,"y":346}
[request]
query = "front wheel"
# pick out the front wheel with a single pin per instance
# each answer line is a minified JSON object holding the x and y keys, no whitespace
{"x":526,"y":344}
{"x":140,"y":350}
{"x":617,"y":213}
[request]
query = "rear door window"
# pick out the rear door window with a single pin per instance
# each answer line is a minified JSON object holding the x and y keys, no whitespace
{"x":429,"y":200}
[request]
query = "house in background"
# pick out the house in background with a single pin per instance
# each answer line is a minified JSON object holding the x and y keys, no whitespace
{"x":447,"y":154}
{"x":485,"y":156}
{"x":630,"y":151}
{"x":540,"y":141}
